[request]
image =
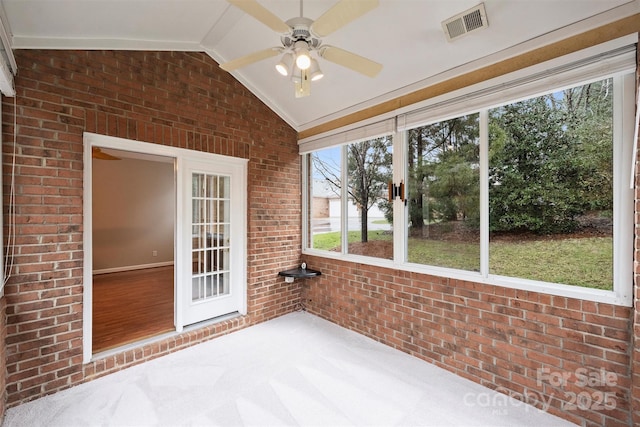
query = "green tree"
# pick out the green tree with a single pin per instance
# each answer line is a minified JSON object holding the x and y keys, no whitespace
{"x":550,"y":160}
{"x":369,"y":166}
{"x":455,"y":188}
{"x":589,"y":121}
{"x":443,"y":171}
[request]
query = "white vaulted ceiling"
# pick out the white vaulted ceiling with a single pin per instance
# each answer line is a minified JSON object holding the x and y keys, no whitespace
{"x":405,"y":36}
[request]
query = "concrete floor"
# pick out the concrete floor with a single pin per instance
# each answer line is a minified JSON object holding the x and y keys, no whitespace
{"x":297,"y":370}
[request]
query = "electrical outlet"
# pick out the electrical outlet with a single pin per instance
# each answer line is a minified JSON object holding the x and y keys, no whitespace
{"x":154,"y":253}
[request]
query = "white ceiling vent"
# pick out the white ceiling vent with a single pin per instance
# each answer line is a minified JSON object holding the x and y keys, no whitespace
{"x":465,"y":22}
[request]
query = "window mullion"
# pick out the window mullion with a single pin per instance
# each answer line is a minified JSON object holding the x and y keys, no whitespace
{"x":484,"y":192}
{"x":400,"y":229}
{"x":344,"y":200}
{"x":306,"y":196}
{"x":623,"y":196}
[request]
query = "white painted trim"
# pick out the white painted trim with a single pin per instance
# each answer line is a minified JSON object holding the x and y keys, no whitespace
{"x":178,"y":314}
{"x":5,"y":31}
{"x":370,"y":131}
{"x":524,"y":84}
{"x":180,"y":155}
{"x":133,"y":267}
{"x":24,"y":42}
{"x":156,"y":149}
{"x":87,"y":244}
{"x":623,"y":196}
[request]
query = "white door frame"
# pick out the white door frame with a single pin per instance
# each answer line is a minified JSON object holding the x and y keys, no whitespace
{"x":180,"y":155}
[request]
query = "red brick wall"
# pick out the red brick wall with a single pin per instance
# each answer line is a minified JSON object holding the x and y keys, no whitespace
{"x":3,"y":357}
{"x":170,"y":98}
{"x":495,"y":336}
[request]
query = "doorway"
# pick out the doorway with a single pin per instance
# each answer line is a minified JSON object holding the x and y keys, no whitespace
{"x":133,"y":217}
{"x":208,"y":218}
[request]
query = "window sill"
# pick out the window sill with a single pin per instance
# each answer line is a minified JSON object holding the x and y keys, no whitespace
{"x":555,"y":289}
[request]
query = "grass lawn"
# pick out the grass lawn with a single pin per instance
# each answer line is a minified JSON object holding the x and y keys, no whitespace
{"x":581,"y":262}
{"x":331,"y":241}
{"x":591,"y":261}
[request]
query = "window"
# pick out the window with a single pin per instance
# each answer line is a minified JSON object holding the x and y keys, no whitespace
{"x":362,"y":203}
{"x":443,"y":173}
{"x":325,"y":197}
{"x":551,"y":187}
{"x":369,"y":171}
{"x":524,"y":184}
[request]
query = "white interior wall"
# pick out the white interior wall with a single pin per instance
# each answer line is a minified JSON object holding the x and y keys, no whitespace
{"x":133,"y":214}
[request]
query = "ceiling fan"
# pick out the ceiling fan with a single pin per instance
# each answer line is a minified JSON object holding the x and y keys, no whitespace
{"x":301,"y":37}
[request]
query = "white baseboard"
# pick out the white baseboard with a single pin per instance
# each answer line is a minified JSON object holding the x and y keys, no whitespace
{"x":132,"y":267}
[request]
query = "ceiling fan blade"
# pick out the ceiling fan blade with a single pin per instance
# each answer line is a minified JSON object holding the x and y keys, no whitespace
{"x":250,"y":59}
{"x":341,"y":14}
{"x":97,"y":153}
{"x":350,"y":60}
{"x":255,"y":9}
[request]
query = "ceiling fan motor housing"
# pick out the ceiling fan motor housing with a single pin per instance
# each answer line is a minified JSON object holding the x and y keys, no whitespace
{"x":300,"y":31}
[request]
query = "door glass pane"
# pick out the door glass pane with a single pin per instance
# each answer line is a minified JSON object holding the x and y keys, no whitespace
{"x":224,"y":187}
{"x":223,"y":237}
{"x":223,"y":283}
{"x":212,"y":190}
{"x":225,"y":211}
{"x":223,"y":262}
{"x":196,"y":261}
{"x":196,"y":186}
{"x":197,"y":211}
{"x":210,"y":216}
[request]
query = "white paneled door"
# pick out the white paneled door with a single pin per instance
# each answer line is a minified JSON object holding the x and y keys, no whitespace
{"x":214,"y":242}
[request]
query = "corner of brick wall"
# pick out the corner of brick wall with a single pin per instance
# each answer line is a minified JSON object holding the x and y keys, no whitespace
{"x":180,"y":99}
{"x":3,"y":357}
{"x":508,"y":340}
{"x":635,"y":366}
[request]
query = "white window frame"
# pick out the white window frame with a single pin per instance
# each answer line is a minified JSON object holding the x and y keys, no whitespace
{"x":614,"y":59}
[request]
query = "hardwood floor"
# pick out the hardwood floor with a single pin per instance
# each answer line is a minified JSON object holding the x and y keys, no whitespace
{"x":131,"y":305}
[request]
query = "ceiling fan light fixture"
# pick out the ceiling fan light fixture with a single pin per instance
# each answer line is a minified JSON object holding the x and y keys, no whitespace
{"x":285,"y":64}
{"x":315,"y":72}
{"x":303,"y":61}
{"x":303,"y":57}
{"x":300,"y":36}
